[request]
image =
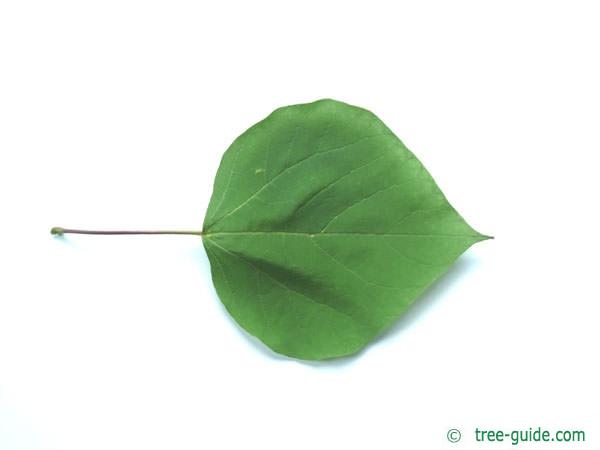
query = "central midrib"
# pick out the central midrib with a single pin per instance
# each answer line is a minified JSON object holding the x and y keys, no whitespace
{"x":342,"y":233}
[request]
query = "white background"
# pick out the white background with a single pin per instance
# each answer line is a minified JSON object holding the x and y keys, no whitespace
{"x":115,"y":114}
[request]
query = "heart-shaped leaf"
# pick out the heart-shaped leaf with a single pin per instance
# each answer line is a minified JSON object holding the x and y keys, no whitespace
{"x":323,"y":228}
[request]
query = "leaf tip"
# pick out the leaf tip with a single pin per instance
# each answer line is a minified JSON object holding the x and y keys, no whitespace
{"x":57,"y":231}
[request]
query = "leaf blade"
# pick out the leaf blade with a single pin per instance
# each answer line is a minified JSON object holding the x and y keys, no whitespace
{"x":329,"y":227}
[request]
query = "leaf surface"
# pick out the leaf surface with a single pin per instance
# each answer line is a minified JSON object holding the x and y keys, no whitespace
{"x":323,"y":228}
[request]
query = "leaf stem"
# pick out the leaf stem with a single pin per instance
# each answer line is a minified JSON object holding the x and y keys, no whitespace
{"x":59,"y":231}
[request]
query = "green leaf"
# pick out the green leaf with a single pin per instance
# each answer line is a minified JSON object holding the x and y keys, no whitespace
{"x":323,"y":228}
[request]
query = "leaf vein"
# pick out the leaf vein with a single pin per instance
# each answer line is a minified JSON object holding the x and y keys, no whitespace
{"x":335,"y":181}
{"x":369,"y":196}
{"x":348,"y":269}
{"x":286,"y":287}
{"x":284,"y":171}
